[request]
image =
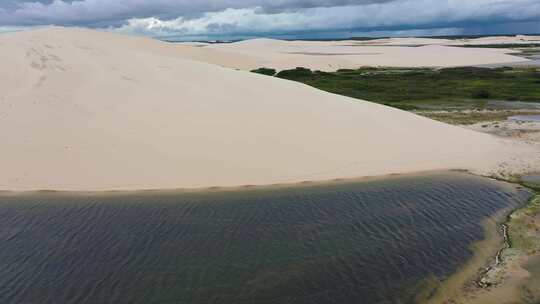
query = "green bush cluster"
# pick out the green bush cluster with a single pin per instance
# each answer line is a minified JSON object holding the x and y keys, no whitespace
{"x":481,"y":94}
{"x":413,"y":88}
{"x":265,"y":71}
{"x":295,"y":74}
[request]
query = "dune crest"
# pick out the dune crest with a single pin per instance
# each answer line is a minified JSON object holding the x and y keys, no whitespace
{"x":87,"y":110}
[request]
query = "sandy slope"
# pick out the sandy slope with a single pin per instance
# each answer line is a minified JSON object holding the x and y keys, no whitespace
{"x":85,"y":110}
{"x":333,"y":55}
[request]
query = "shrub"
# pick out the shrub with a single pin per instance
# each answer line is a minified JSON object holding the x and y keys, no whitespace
{"x":481,"y":94}
{"x":296,"y":73}
{"x":265,"y":71}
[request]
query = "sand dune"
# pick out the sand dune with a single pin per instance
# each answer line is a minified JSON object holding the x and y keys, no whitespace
{"x":86,"y":110}
{"x":334,"y":55}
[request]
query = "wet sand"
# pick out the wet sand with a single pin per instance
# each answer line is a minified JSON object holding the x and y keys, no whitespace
{"x":515,"y":279}
{"x":458,"y":287}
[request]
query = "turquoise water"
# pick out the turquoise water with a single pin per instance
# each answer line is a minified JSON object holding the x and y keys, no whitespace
{"x":354,"y":242}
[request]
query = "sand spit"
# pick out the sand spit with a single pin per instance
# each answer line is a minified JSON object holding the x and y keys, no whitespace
{"x":87,"y":110}
{"x":334,"y":55}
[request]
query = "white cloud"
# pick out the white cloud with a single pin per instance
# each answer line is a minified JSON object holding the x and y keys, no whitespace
{"x":401,"y":14}
{"x":261,"y":17}
{"x":100,"y":11}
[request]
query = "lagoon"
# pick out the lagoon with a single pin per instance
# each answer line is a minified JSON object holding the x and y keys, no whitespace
{"x":364,"y":241}
{"x":526,"y":118}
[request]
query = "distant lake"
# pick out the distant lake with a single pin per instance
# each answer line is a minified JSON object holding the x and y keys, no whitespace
{"x":532,"y":179}
{"x":370,"y":241}
{"x":526,"y":118}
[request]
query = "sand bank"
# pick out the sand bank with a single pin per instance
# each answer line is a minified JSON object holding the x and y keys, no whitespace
{"x":87,"y":110}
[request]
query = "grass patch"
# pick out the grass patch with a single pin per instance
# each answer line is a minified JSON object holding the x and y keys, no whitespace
{"x":413,"y":88}
{"x":525,"y":227}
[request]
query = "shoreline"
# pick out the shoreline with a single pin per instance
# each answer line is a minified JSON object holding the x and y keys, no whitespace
{"x":496,"y":269}
{"x":344,"y":229}
{"x":254,"y":187}
{"x":467,"y":277}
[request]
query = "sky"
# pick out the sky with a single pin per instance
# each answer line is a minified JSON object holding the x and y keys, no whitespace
{"x":311,"y":19}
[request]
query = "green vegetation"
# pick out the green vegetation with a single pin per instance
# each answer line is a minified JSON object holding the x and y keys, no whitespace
{"x":525,"y":227}
{"x":265,"y":71}
{"x":296,"y":74}
{"x":423,"y":88}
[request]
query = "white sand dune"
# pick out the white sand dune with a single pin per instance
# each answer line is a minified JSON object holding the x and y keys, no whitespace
{"x":86,"y":110}
{"x":334,"y":55}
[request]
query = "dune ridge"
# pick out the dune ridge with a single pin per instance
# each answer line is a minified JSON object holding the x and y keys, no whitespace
{"x":88,"y":110}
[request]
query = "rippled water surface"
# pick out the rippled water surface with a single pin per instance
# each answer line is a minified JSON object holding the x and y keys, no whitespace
{"x":354,"y":242}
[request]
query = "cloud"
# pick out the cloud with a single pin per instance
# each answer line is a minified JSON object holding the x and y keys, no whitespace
{"x":61,"y":12}
{"x":263,"y":17}
{"x":397,"y":15}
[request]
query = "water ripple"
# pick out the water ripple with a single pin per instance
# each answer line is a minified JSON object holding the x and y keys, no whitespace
{"x":354,"y":242}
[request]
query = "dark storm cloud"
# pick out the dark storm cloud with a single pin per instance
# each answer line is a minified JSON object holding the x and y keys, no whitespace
{"x":261,"y":17}
{"x":87,"y":12}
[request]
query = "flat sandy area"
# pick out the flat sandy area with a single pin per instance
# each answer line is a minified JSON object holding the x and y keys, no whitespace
{"x":482,"y":41}
{"x":87,"y":110}
{"x":334,"y":55}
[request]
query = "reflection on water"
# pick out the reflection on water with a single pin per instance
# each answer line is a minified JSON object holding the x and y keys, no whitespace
{"x":532,"y":57}
{"x":513,"y":105}
{"x":532,"y":179}
{"x":354,"y":242}
{"x":526,"y":118}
